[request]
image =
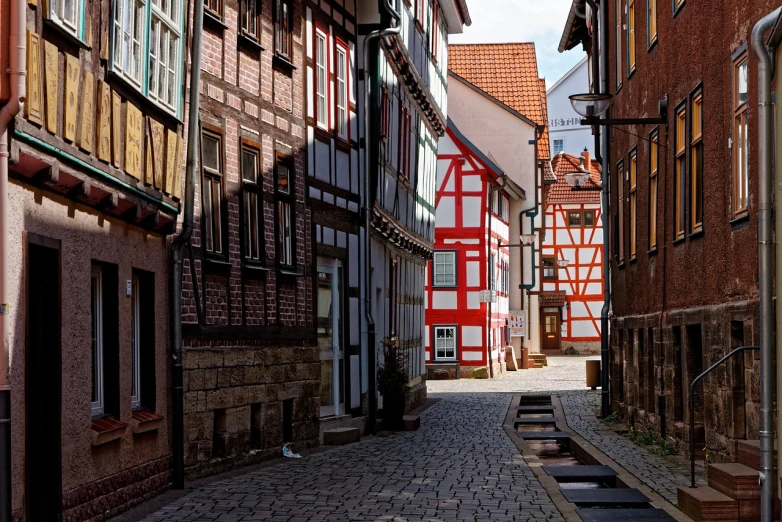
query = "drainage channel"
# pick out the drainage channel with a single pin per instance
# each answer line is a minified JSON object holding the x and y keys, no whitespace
{"x":596,"y":490}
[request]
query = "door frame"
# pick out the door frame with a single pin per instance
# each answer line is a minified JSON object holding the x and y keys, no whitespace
{"x":333,"y":266}
{"x":550,"y":312}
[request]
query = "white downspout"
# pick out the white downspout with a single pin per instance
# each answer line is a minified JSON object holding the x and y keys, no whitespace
{"x":17,"y":71}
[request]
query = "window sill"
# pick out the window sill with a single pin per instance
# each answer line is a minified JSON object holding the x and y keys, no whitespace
{"x":60,"y":30}
{"x":652,"y":44}
{"x":652,"y":252}
{"x":106,"y":429}
{"x":289,"y":271}
{"x":620,"y":264}
{"x":631,"y":73}
{"x":679,"y":241}
{"x":217,"y":265}
{"x":145,"y":421}
{"x":322,"y":132}
{"x":249,"y":43}
{"x":446,"y":287}
{"x":632,"y":260}
{"x":696,"y":234}
{"x":740,"y":222}
{"x":342,"y":144}
{"x":283,"y":63}
{"x":213,"y":21}
{"x":677,"y":8}
{"x":253,"y":271}
{"x":133,"y":93}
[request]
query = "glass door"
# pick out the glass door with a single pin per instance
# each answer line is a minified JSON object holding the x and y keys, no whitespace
{"x":332,"y":361}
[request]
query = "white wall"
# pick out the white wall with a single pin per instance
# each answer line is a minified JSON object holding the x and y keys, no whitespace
{"x":564,"y":122}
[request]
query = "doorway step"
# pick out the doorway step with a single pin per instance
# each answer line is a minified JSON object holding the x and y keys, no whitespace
{"x":537,"y":360}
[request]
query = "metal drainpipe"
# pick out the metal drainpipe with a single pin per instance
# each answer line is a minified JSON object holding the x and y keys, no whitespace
{"x":178,"y":249}
{"x":18,"y":73}
{"x":765,"y":245}
{"x":371,"y":355}
{"x":778,"y":257}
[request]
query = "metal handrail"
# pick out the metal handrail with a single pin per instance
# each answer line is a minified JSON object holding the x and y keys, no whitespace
{"x":692,"y":405}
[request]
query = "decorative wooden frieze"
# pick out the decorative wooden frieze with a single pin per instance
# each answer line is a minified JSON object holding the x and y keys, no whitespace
{"x":52,"y":66}
{"x":72,"y":76}
{"x":171,"y":163}
{"x":149,"y":160}
{"x":104,"y":46}
{"x":158,"y":152}
{"x":87,"y":113}
{"x":104,"y":121}
{"x":33,"y":105}
{"x":134,"y":133}
{"x":116,"y":129}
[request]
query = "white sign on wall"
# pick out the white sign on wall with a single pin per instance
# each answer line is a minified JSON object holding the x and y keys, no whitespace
{"x":516,"y":323}
{"x":488,"y":296}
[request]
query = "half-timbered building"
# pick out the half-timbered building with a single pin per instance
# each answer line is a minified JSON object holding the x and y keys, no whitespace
{"x":95,"y":189}
{"x":252,"y":371}
{"x":473,"y":202}
{"x":571,"y":268}
{"x":407,"y":77}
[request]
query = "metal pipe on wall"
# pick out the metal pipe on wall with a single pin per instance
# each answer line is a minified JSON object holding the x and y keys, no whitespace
{"x":778,"y":248}
{"x":367,"y":210}
{"x":178,"y":251}
{"x":18,"y":73}
{"x":765,"y":245}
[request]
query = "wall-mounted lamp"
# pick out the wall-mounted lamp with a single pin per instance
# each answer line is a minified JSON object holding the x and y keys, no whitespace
{"x":527,"y":239}
{"x":592,"y":106}
{"x":563,"y":263}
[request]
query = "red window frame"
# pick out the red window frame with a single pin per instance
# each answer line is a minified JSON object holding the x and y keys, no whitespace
{"x":320,"y":28}
{"x":340,"y":44}
{"x":404,"y":142}
{"x":435,"y":28}
{"x":384,"y":112}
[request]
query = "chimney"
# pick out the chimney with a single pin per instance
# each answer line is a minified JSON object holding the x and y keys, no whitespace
{"x":587,"y":160}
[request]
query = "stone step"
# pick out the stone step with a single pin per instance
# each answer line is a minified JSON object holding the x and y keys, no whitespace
{"x":523,"y":421}
{"x":544,"y":435}
{"x":623,"y":515}
{"x":523,"y":410}
{"x":707,"y":504}
{"x":748,"y":453}
{"x":734,"y":480}
{"x":538,"y":359}
{"x":581,"y":473}
{"x":341,"y":436}
{"x":411,"y":422}
{"x":627,"y":497}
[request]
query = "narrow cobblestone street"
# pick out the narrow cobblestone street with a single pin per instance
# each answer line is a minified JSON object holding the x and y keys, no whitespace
{"x":460,"y":465}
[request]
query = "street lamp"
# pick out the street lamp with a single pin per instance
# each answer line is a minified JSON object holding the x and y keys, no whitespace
{"x":527,"y":239}
{"x":563,"y":263}
{"x":591,"y":106}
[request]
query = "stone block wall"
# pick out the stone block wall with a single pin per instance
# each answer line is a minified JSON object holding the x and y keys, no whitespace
{"x":242,"y":403}
{"x":653,"y":363}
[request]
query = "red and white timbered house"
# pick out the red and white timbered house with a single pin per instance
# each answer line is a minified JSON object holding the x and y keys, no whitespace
{"x":571,"y":267}
{"x":473,"y":202}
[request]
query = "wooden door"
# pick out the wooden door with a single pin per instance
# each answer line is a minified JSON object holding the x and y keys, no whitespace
{"x":551,"y":329}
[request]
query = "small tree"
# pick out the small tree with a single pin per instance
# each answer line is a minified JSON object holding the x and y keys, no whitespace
{"x":392,"y":379}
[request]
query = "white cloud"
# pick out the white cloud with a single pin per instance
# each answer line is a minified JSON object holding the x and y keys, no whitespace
{"x":539,"y":21}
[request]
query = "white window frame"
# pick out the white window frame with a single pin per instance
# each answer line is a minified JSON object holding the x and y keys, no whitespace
{"x":560,"y":140}
{"x":321,"y":78}
{"x":445,"y":262}
{"x":172,"y":29}
{"x":342,"y":95}
{"x":435,"y":347}
{"x":57,"y":15}
{"x":126,"y":40}
{"x":96,"y":280}
{"x":135,"y":342}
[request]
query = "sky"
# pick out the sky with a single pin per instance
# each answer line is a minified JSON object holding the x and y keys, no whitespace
{"x":539,"y":21}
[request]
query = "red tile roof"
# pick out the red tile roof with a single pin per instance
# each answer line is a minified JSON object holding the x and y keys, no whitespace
{"x":555,"y":299}
{"x":561,"y":192}
{"x":508,"y":72}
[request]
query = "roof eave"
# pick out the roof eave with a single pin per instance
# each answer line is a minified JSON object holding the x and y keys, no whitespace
{"x":456,"y":15}
{"x":575,"y":24}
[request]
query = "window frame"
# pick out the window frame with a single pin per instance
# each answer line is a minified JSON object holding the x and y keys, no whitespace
{"x":654,"y":165}
{"x":454,"y":261}
{"x":554,"y":275}
{"x":677,"y":6}
{"x":492,"y":272}
{"x":135,"y":342}
{"x":739,"y":118}
{"x":322,"y":34}
{"x":554,"y":143}
{"x":680,"y":172}
{"x":618,"y":76}
{"x":61,"y":22}
{"x":341,"y":45}
{"x":572,"y":213}
{"x":696,"y":161}
{"x":435,"y":329}
{"x":633,"y":193}
{"x":120,"y":70}
{"x":98,"y":406}
{"x":218,"y":12}
{"x":405,"y":125}
{"x":243,"y":30}
{"x":216,"y":179}
{"x":285,"y":199}
{"x":283,"y":29}
{"x":620,"y":179}
{"x":631,"y":38}
{"x":255,"y":188}
{"x":385,"y":113}
{"x":651,"y":23}
{"x":435,"y":36}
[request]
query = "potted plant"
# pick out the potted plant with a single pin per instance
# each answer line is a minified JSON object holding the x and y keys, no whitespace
{"x":393,"y":384}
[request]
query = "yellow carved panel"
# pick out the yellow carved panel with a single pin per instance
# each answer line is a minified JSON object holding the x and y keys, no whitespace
{"x":104,"y":121}
{"x":33,"y":106}
{"x":116,"y":128}
{"x":177,"y":193}
{"x":171,"y":166}
{"x":158,"y":155}
{"x":72,"y":75}
{"x":148,"y":164}
{"x":88,"y":113}
{"x":133,"y":136}
{"x":52,"y":67}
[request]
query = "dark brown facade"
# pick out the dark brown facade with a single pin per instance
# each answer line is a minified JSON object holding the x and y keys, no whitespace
{"x":252,"y":372}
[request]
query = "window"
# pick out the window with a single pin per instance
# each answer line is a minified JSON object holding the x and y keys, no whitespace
{"x":589,"y":218}
{"x":142,"y":339}
{"x":680,"y":168}
{"x":444,"y":343}
{"x":404,"y":142}
{"x":159,"y":21}
{"x":651,"y":19}
{"x":574,"y":218}
{"x":654,"y":142}
{"x":559,"y":146}
{"x":677,"y":5}
{"x":549,"y":268}
{"x":504,"y":283}
{"x":630,"y":36}
{"x":283,"y":29}
{"x":385,"y":108}
{"x":633,"y":202}
{"x":214,"y":7}
{"x":620,"y":181}
{"x":321,"y":82}
{"x":342,"y":90}
{"x":435,"y":28}
{"x":211,"y":191}
{"x":696,"y":164}
{"x":250,"y":22}
{"x":618,"y":46}
{"x":252,"y":206}
{"x":498,"y":201}
{"x":68,"y":15}
{"x":285,"y":220}
{"x":492,"y":272}
{"x":740,"y":139}
{"x":420,"y":11}
{"x":445,"y":269}
{"x":97,"y":341}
